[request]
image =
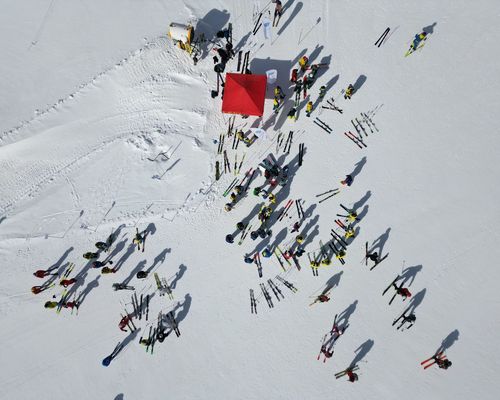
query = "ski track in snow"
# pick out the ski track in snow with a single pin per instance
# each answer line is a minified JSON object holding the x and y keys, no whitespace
{"x":144,"y":84}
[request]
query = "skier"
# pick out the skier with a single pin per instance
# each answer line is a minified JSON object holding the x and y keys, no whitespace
{"x":121,"y":286}
{"x":442,"y":363}
{"x":326,"y":262}
{"x":347,"y":181}
{"x":309,"y":108}
{"x":267,"y":252}
{"x":138,"y":239}
{"x":100,"y":264}
{"x":299,"y":251}
{"x":349,"y":92}
{"x":296,"y":227}
{"x":291,"y":113}
{"x":123,"y":323}
{"x":67,"y":282}
{"x":229,"y":238}
{"x":326,"y":352}
{"x":420,"y":37}
{"x":373,"y":256}
{"x":303,"y":63}
{"x":107,"y":270}
{"x":272,"y":198}
{"x":40,"y":289}
{"x":284,"y":176}
{"x":142,"y":275}
{"x":89,"y":255}
{"x":248,"y":259}
{"x":51,"y":304}
{"x":276,"y":105}
{"x":102,"y":246}
{"x":323,"y":297}
{"x":402,"y":291}
{"x":278,"y":10}
{"x":353,"y":377}
{"x":312,"y":75}
{"x":278,"y":93}
{"x":299,"y":239}
{"x":322,"y":91}
{"x":43,"y":273}
{"x":240,"y":226}
{"x":228,"y":207}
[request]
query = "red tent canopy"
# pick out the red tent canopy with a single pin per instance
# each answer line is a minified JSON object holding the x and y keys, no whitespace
{"x":244,"y":94}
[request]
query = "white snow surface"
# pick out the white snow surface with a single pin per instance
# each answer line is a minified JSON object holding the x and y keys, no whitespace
{"x":91,"y":90}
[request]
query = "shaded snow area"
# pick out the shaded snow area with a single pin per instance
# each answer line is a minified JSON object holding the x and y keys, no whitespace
{"x":109,"y":129}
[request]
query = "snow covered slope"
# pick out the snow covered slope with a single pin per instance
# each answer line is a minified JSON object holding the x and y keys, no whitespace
{"x":425,"y":189}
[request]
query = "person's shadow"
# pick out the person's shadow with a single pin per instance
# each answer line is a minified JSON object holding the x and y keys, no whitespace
{"x":380,"y":242}
{"x":343,"y":317}
{"x":333,"y":281}
{"x":178,"y":276}
{"x":361,"y":352}
{"x":159,"y":259}
{"x":408,"y":274}
{"x":448,"y":341}
{"x":429,"y":29}
{"x":183,"y":308}
{"x":358,"y":167}
{"x":415,"y":302}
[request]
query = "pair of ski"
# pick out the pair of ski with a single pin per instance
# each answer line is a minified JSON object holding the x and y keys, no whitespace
{"x":173,"y":323}
{"x":163,"y":286}
{"x":266,"y":294}
{"x":276,"y":290}
{"x":68,"y":271}
{"x":332,"y":191}
{"x":150,"y":341}
{"x":227,"y":165}
{"x":221,"y":144}
{"x":360,"y":125}
{"x":253,"y":303}
{"x":279,"y":260}
{"x":314,"y":268}
{"x":130,"y":323}
{"x":283,"y":255}
{"x":379,"y":260}
{"x":317,"y":297}
{"x":300,"y":210}
{"x":288,"y":284}
{"x":301,"y":153}
{"x":323,"y":125}
{"x":339,"y":253}
{"x":393,"y":284}
{"x":359,"y":142}
{"x":244,"y":233}
{"x":237,"y":171}
{"x":244,"y":67}
{"x":288,"y":143}
{"x":344,"y":372}
{"x":404,"y":321}
{"x":339,"y":239}
{"x":285,"y":210}
{"x":411,"y":50}
{"x":369,"y":121}
{"x":440,"y":355}
{"x":230,"y":187}
{"x":256,"y":259}
{"x":135,"y":304}
{"x":332,"y":106}
{"x":382,"y":38}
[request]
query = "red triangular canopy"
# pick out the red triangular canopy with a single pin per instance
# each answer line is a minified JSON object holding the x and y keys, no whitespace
{"x":244,"y":94}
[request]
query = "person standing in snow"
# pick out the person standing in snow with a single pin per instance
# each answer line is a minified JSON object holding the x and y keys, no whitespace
{"x":138,"y":239}
{"x":420,"y":37}
{"x":43,"y":273}
{"x":349,"y":92}
{"x":353,"y":377}
{"x":309,"y":108}
{"x":67,"y":282}
{"x":278,"y":93}
{"x":347,"y":181}
{"x":303,"y":63}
